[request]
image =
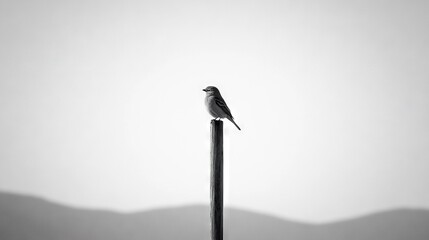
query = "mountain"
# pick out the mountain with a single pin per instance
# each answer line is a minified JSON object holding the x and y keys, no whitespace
{"x":29,"y":218}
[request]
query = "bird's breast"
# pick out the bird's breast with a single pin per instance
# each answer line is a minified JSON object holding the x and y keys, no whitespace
{"x":213,"y":108}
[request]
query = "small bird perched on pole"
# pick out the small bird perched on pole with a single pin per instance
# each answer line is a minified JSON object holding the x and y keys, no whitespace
{"x":217,"y":106}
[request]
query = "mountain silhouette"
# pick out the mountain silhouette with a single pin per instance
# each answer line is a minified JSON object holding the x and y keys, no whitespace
{"x":29,"y":218}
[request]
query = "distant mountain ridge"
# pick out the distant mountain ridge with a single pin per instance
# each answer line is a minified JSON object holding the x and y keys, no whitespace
{"x":30,"y":218}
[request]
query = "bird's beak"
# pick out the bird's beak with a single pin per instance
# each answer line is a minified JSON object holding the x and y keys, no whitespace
{"x":204,"y":90}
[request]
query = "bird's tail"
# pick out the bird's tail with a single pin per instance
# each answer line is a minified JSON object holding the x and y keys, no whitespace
{"x":232,"y":120}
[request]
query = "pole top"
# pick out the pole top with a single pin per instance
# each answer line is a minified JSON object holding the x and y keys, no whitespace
{"x":216,"y":121}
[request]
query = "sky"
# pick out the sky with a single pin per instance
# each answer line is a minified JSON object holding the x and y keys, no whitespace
{"x":101,"y":103}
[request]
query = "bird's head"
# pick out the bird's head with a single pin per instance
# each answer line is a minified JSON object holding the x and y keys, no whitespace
{"x":211,"y":90}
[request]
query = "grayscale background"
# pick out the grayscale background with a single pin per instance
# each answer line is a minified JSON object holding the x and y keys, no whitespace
{"x":101,"y":104}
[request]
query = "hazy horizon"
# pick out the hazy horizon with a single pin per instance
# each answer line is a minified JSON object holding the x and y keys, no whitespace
{"x":101,"y":103}
{"x":34,"y":199}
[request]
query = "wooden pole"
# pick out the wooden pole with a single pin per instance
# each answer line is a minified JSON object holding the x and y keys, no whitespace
{"x":216,"y":180}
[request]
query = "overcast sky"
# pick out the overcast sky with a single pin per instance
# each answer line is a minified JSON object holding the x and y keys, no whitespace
{"x":101,"y":103}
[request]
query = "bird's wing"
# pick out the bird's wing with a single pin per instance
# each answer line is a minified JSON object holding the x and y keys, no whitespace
{"x":221,"y":103}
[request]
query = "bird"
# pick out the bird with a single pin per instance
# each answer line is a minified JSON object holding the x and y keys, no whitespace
{"x":216,"y":106}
